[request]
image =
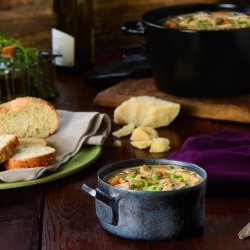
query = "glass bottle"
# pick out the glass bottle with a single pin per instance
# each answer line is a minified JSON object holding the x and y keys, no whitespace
{"x":72,"y":35}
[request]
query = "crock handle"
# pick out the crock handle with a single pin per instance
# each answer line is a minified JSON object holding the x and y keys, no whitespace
{"x":106,"y":206}
{"x":133,"y":28}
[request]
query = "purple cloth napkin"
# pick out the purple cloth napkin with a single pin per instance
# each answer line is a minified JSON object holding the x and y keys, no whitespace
{"x":225,"y":155}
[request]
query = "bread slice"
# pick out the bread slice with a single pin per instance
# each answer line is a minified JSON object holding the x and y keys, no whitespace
{"x":31,"y":142}
{"x":8,"y":144}
{"x":30,"y":157}
{"x":28,"y":117}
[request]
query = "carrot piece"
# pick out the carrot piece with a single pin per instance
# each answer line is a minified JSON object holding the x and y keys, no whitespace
{"x":171,"y":25}
{"x":159,"y":167}
{"x":115,"y":181}
{"x":8,"y":51}
{"x":196,"y":182}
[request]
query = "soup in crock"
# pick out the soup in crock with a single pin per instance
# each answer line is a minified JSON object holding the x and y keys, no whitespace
{"x":153,"y":178}
{"x":207,"y":21}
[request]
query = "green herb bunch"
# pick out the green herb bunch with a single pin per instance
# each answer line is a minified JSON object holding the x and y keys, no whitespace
{"x":16,"y":58}
{"x":23,"y":56}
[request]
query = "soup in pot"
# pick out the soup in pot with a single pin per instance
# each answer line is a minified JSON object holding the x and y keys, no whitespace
{"x":153,"y":178}
{"x":208,"y":21}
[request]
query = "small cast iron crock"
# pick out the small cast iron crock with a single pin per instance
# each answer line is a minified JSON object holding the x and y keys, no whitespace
{"x":208,"y":63}
{"x":150,"y":215}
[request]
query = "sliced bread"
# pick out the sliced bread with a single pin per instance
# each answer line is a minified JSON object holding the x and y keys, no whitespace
{"x":28,"y":117}
{"x":30,"y":157}
{"x":8,"y":144}
{"x":31,"y":142}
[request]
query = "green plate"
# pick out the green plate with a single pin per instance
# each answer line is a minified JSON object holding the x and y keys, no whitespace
{"x":86,"y":156}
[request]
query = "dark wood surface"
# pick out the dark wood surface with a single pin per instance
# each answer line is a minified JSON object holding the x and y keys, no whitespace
{"x":59,"y":215}
{"x":235,"y":108}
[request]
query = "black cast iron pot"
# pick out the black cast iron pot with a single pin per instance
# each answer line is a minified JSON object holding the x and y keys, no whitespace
{"x":196,"y":63}
{"x":150,"y":215}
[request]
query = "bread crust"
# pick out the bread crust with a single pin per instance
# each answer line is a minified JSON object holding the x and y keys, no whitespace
{"x":19,"y":104}
{"x":32,"y":162}
{"x":7,"y":150}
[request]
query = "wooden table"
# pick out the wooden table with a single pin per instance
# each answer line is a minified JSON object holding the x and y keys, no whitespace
{"x":58,"y":215}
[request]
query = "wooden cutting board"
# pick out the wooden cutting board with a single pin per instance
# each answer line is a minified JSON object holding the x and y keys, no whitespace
{"x":229,"y":108}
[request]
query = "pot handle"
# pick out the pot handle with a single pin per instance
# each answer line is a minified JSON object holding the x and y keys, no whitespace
{"x":106,"y":206}
{"x":133,"y":28}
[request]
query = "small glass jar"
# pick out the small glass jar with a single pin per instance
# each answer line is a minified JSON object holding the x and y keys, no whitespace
{"x":14,"y":82}
{"x":34,"y":80}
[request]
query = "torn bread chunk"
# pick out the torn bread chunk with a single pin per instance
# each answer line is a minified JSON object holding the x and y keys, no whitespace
{"x":124,"y":131}
{"x":8,"y":143}
{"x":117,"y":143}
{"x":144,"y":137}
{"x":141,"y":144}
{"x":159,"y":145}
{"x":143,"y":134}
{"x":244,"y":232}
{"x":146,"y":111}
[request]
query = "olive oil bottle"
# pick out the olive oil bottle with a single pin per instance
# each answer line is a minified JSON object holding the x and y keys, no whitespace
{"x":73,"y":35}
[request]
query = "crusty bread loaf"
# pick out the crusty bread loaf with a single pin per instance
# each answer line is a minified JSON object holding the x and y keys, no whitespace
{"x":28,"y":117}
{"x":8,"y":144}
{"x":31,"y":142}
{"x":30,"y":157}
